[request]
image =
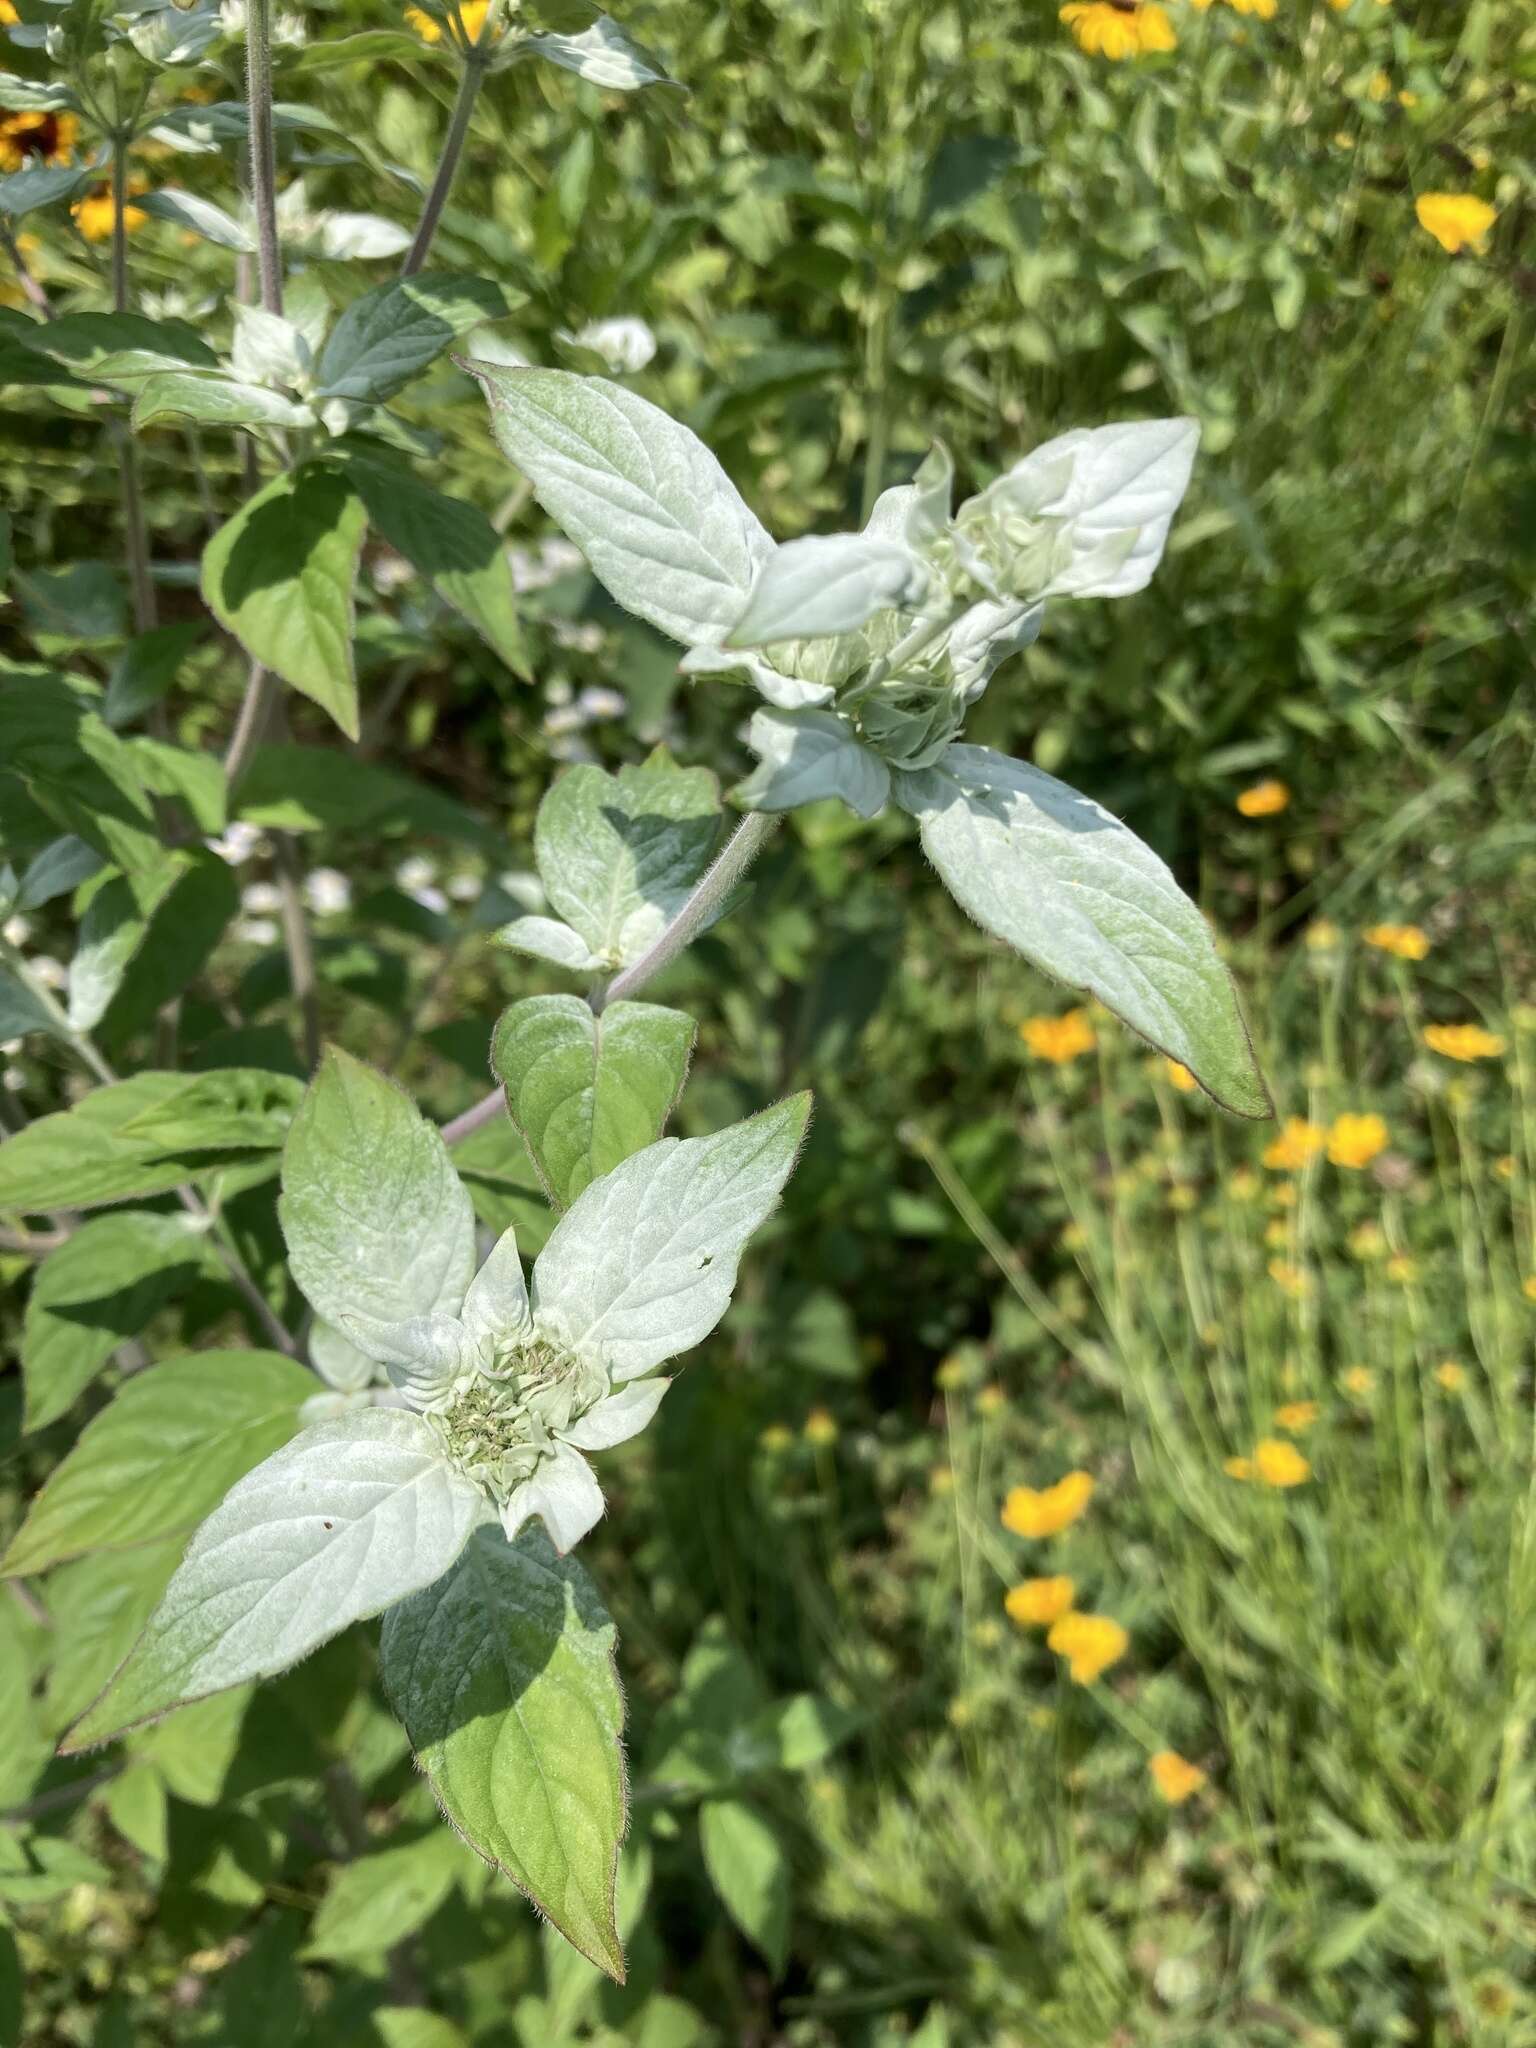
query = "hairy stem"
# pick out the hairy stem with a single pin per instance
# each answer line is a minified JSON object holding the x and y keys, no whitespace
{"x":263,"y":152}
{"x":296,"y":937}
{"x":453,"y":149}
{"x":135,"y":530}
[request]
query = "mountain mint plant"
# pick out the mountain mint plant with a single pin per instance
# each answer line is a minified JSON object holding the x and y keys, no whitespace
{"x":431,"y":1447}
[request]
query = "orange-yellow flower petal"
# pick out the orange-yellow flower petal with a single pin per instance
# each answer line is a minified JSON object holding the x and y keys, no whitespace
{"x":1457,"y":220}
{"x":1059,"y":1039}
{"x":1090,"y":1643}
{"x":1174,"y":1776}
{"x":1463,"y":1041}
{"x":1403,"y":941}
{"x":1038,"y":1602}
{"x":1277,"y":1463}
{"x":1264,"y":799}
{"x":1047,"y":1512}
{"x":1297,"y":1146}
{"x":1355,"y":1140}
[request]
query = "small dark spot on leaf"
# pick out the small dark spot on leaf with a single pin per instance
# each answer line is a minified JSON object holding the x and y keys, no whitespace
{"x":328,"y":1525}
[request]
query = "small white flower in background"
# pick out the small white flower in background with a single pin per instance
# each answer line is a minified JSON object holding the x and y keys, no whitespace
{"x":11,"y":1047}
{"x":262,"y":899}
{"x":13,"y":1079}
{"x":255,"y":931}
{"x":466,"y":888}
{"x":430,"y":898}
{"x":558,"y":691}
{"x":416,"y":873}
{"x":17,"y":930}
{"x":600,"y":703}
{"x":236,"y":843}
{"x":625,"y":345}
{"x":327,"y":891}
{"x":565,"y":718}
{"x":391,"y":571}
{"x":536,"y":568}
{"x":581,"y":638}
{"x":289,"y":30}
{"x":49,"y":971}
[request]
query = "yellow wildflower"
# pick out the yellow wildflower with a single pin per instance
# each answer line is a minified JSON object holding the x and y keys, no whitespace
{"x":472,"y":14}
{"x":986,"y":1635}
{"x":1174,"y":1776}
{"x":1059,"y":1039}
{"x":8,"y":15}
{"x":1463,"y":1041}
{"x":1296,"y":1416}
{"x":1297,"y":1146}
{"x":953,"y":1371}
{"x":1283,"y":1195}
{"x":1451,"y":1376}
{"x":1289,"y":1279}
{"x":1402,"y":941}
{"x":992,"y":1400}
{"x":1119,"y":28}
{"x":1180,"y":1077}
{"x":36,"y":137}
{"x":1321,"y":936}
{"x":1358,"y":1381}
{"x":1401,"y":1269}
{"x":1367,"y":1242}
{"x":1073,"y":1237}
{"x":1354,"y":1141}
{"x":1243,"y":1186}
{"x":1380,"y":87}
{"x":1089,"y":1642}
{"x":1048,"y":1512}
{"x":1264,"y":799}
{"x":941,"y":1481}
{"x":1277,"y":1463}
{"x":1264,"y":9}
{"x":94,"y":214}
{"x":1237,"y":1468}
{"x":1038,"y":1602}
{"x":1528,"y":1286}
{"x":776,"y":1437}
{"x":1277,"y":1234}
{"x":1505,"y":1167}
{"x":1455,"y":219}
{"x":820,"y":1428}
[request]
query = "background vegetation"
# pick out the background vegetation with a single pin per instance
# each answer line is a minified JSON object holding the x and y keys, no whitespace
{"x":1011,"y":1253}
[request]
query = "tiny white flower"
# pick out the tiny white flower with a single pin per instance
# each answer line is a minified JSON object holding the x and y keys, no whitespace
{"x":416,"y":873}
{"x":50,"y":972}
{"x":17,"y":930}
{"x":563,"y":719}
{"x":255,"y":931}
{"x":262,"y":899}
{"x":466,"y":888}
{"x":625,"y":345}
{"x":429,"y":899}
{"x":601,"y":703}
{"x":236,"y":843}
{"x":327,"y":891}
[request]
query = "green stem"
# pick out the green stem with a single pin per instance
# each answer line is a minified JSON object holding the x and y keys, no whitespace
{"x":453,"y":149}
{"x":263,"y":152}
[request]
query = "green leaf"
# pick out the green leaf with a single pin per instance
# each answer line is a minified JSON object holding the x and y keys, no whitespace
{"x":34,"y":96}
{"x":619,"y":854}
{"x":828,"y":583}
{"x":342,"y":1522}
{"x":648,"y":505}
{"x":21,"y":1012}
{"x":280,"y":576}
{"x":806,"y":756}
{"x":111,"y":930}
{"x":503,"y":1674}
{"x":99,"y":1606}
{"x":409,"y":2026}
{"x":1079,"y":895}
{"x":388,"y":335}
{"x":308,"y":789}
{"x":78,"y":770}
{"x":100,"y":1287}
{"x":24,"y":191}
{"x":214,"y":400}
{"x":586,"y":1091}
{"x":748,"y":1869}
{"x":803,"y":1729}
{"x":62,"y":866}
{"x":186,"y":210}
{"x":145,"y":670}
{"x":642,"y":1265}
{"x":113,"y":346}
{"x":603,"y":55}
{"x":455,"y":547}
{"x":377,"y":1221}
{"x":162,"y":1455}
{"x":183,"y":932}
{"x":379,"y":1899}
{"x":114,"y":1144}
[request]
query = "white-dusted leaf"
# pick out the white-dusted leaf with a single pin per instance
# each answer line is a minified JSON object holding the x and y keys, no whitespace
{"x":187,"y":210}
{"x":619,"y":854}
{"x":337,"y":1359}
{"x":619,"y":1417}
{"x":377,"y":1221}
{"x":642,"y":497}
{"x":350,"y":1517}
{"x":503,"y":1675}
{"x":563,"y":1494}
{"x":546,"y":938}
{"x":357,"y":237}
{"x":389,"y":334}
{"x":267,"y":349}
{"x":602,"y":54}
{"x":984,"y":637}
{"x":807,"y":755}
{"x":586,"y":1091}
{"x":828,"y":583}
{"x":785,"y":693}
{"x":496,"y":1306}
{"x":214,"y":400}
{"x":917,"y":513}
{"x":424,"y":1356}
{"x":1079,"y":895}
{"x":642,"y":1265}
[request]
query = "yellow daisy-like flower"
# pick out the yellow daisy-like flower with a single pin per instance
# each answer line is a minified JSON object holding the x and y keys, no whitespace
{"x":776,"y":1437}
{"x":1089,"y":1642}
{"x":8,"y":15}
{"x":1451,"y":1376}
{"x":820,"y":1428}
{"x":1358,"y":1381}
{"x":1297,"y":1146}
{"x":1119,"y":28}
{"x":1237,"y":1468}
{"x":1279,"y":1464}
{"x":992,"y":1400}
{"x":94,"y":214}
{"x":472,"y":14}
{"x":1367,"y":1242}
{"x":1039,"y":1602}
{"x":1402,"y":941}
{"x":36,"y":138}
{"x":1289,"y":1278}
{"x":1354,"y":1141}
{"x":1174,"y":1776}
{"x":1322,"y":936}
{"x":1264,"y":799}
{"x":1047,"y":1512}
{"x":1180,"y":1077}
{"x":1296,"y":1416}
{"x":1401,"y":1269}
{"x":1464,"y":1041}
{"x":1266,"y":10}
{"x":1457,"y":220}
{"x":1059,"y":1039}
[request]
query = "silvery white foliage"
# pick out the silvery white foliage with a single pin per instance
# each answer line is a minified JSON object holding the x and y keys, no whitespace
{"x":352,"y":1379}
{"x":1086,"y":515}
{"x":828,"y":584}
{"x":268,"y":349}
{"x":545,"y":938}
{"x":640,"y":1268}
{"x":625,"y":344}
{"x":805,"y":756}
